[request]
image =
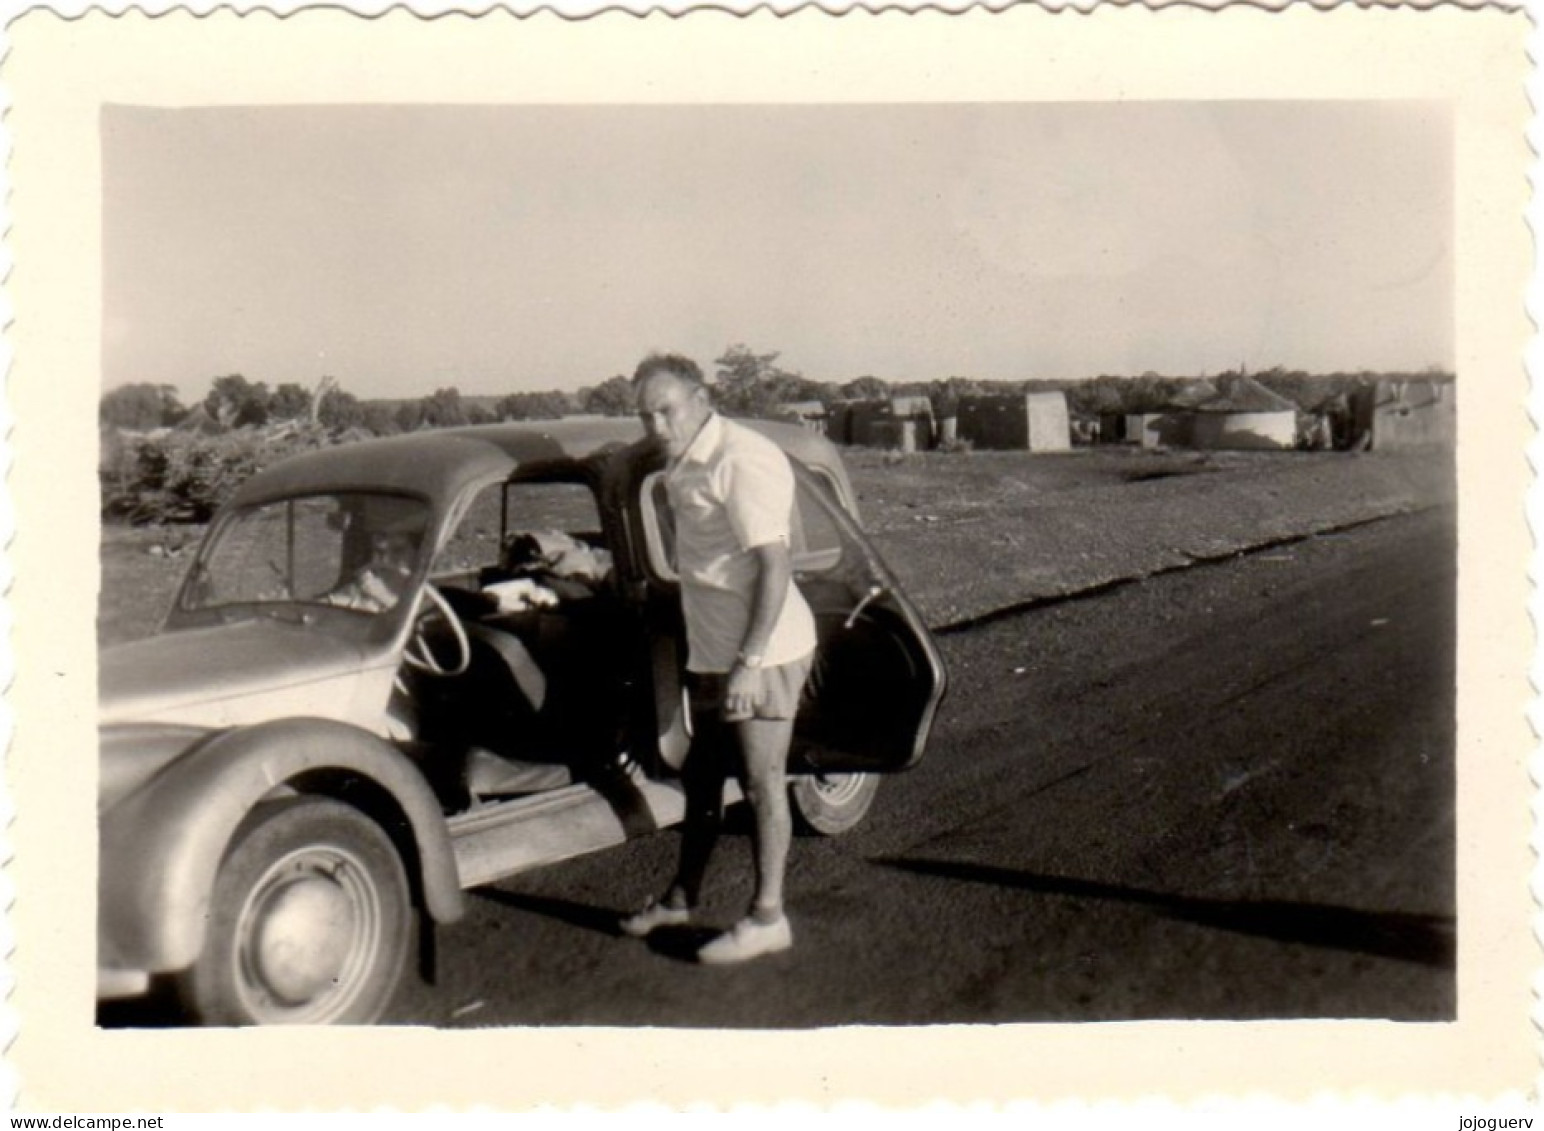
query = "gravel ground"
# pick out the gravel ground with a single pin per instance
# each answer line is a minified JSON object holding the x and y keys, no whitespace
{"x":973,"y":533}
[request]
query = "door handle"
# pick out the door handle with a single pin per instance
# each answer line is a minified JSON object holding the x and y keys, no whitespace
{"x":873,"y":594}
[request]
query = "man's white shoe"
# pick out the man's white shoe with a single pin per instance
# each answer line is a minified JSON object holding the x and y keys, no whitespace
{"x":748,"y":939}
{"x":653,"y":916}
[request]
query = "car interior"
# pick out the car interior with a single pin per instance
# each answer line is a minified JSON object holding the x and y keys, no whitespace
{"x":546,"y":698}
{"x":558,"y":666}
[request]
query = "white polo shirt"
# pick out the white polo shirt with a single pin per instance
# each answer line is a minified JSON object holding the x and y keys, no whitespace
{"x":731,"y":491}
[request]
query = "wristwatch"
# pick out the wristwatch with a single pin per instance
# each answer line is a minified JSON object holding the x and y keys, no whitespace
{"x":750,"y":659}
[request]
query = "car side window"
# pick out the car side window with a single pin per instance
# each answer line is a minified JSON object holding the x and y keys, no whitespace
{"x":566,"y":507}
{"x":512,"y":515}
{"x":815,"y":542}
{"x":818,"y":542}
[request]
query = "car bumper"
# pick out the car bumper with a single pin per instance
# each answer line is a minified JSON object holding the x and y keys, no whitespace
{"x":116,"y":983}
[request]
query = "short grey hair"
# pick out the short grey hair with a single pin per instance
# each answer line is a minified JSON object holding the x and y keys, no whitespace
{"x":679,"y":366}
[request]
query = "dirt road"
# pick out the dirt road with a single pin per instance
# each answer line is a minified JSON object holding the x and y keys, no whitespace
{"x":1223,"y":793}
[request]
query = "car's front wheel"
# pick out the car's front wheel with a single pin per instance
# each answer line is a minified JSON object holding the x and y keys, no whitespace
{"x":310,"y":920}
{"x":832,"y":804}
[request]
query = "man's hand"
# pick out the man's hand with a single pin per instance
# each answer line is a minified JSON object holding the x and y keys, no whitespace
{"x":739,"y":693}
{"x":774,"y":570}
{"x":377,"y":593}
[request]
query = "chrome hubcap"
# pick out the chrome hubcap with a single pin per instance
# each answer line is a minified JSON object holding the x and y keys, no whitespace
{"x":302,"y":938}
{"x":308,"y":936}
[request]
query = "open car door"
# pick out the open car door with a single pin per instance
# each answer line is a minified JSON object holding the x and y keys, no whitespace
{"x":878,"y":677}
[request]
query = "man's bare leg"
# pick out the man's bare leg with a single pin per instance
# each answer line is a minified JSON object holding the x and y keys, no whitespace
{"x":764,"y":749}
{"x":703,"y":777}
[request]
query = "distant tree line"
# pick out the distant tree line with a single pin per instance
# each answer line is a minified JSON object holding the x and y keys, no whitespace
{"x":165,"y":461}
{"x":234,"y":402}
{"x":745,"y":382}
{"x":1153,"y":393}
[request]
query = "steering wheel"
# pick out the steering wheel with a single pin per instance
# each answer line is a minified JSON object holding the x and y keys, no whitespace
{"x":420,"y":656}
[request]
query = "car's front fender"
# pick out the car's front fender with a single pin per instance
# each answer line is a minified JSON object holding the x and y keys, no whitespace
{"x":161,"y":845}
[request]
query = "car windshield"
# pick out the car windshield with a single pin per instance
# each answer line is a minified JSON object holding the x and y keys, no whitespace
{"x":351,"y":550}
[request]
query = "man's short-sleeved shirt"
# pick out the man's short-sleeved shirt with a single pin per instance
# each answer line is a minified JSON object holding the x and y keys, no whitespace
{"x":731,"y":491}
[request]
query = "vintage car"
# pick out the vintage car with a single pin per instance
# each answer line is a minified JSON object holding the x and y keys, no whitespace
{"x":401,"y":668}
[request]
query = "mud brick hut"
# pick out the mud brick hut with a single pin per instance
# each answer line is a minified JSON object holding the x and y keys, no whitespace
{"x":839,"y":422}
{"x":1245,"y":415}
{"x":1389,"y":415}
{"x":913,"y":416}
{"x":1112,"y":428}
{"x":902,"y":422}
{"x":1167,"y":428}
{"x":1036,"y":422}
{"x":866,"y":424}
{"x":1170,"y":424}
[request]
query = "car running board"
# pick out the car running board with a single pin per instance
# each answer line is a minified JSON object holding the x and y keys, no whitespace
{"x":498,"y":839}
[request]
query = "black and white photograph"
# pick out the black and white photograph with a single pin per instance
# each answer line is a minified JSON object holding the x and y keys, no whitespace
{"x":753,"y":566}
{"x":1149,"y":422}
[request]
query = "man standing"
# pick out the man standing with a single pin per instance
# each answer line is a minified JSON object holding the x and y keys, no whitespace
{"x":750,"y":639}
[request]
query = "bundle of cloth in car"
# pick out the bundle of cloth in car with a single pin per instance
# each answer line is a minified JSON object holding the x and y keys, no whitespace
{"x":550,"y":567}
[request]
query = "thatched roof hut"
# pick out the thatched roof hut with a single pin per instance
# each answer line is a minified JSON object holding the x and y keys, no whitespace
{"x":1245,"y":414}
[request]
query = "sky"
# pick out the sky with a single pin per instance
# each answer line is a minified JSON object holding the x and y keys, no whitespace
{"x":402,"y":249}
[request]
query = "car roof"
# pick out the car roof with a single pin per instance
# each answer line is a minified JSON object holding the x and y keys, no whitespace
{"x":440,"y":463}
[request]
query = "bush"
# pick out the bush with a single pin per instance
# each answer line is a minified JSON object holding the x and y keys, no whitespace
{"x":141,"y":406}
{"x":183,"y":477}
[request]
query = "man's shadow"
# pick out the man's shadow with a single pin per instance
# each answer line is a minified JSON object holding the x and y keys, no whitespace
{"x":680,"y":943}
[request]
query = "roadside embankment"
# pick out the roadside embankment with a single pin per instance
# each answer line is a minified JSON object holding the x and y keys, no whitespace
{"x":973,"y":533}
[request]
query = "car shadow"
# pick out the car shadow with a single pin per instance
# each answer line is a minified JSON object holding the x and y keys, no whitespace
{"x":1428,"y":940}
{"x":599,"y":919}
{"x":160,"y":1008}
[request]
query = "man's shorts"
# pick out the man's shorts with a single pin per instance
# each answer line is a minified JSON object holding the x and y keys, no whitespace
{"x":776,"y":694}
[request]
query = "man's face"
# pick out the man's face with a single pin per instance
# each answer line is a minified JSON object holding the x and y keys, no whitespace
{"x":391,"y":550}
{"x":672,"y":411}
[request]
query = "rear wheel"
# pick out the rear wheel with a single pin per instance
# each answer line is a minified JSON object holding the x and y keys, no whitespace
{"x":832,"y":804}
{"x":310,"y":921}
